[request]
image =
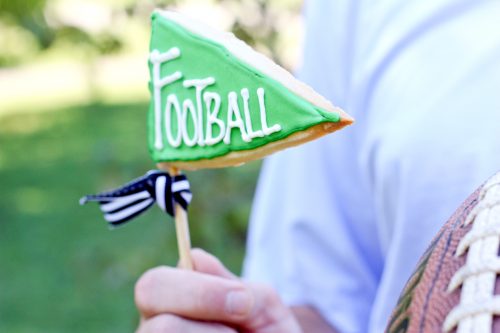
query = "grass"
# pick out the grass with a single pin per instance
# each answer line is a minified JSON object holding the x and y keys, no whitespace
{"x":61,"y":269}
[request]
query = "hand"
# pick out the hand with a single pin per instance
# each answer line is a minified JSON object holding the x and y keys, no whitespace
{"x":208,"y":300}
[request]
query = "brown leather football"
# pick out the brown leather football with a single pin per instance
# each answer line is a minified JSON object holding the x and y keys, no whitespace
{"x":455,"y":286}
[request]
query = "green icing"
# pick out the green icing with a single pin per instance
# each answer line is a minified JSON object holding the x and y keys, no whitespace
{"x":201,"y":58}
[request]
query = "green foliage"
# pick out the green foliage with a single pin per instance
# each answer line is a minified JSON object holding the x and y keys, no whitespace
{"x":41,"y":23}
{"x":28,"y":19}
{"x":62,"y":270}
{"x":28,"y":14}
{"x":20,"y":9}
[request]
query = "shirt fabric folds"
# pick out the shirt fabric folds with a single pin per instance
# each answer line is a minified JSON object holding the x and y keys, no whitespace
{"x":340,"y":223}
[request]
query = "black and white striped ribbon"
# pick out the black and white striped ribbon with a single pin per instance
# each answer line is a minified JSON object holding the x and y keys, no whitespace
{"x":130,"y":200}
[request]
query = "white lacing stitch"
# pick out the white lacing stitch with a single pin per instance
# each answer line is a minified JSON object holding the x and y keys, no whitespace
{"x":478,"y":304}
{"x":489,"y":307}
{"x":472,"y":269}
{"x":483,"y":205}
{"x":476,"y":234}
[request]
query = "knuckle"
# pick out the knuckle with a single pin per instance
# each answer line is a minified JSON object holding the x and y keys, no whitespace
{"x":145,"y":286}
{"x":205,"y":301}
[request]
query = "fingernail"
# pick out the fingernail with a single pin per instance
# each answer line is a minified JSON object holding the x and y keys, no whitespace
{"x":238,"y":303}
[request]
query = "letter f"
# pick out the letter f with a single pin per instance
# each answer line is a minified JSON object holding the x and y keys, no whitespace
{"x":157,"y":59}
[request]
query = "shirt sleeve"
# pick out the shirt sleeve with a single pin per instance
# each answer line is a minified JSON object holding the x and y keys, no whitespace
{"x":311,"y":229}
{"x":305,"y":241}
{"x":339,"y":223}
{"x":433,"y":108}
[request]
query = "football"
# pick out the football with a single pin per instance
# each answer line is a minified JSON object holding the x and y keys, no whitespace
{"x":455,"y":286}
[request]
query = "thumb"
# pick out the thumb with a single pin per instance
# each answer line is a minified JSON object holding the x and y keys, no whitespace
{"x":253,"y":306}
{"x":204,"y":262}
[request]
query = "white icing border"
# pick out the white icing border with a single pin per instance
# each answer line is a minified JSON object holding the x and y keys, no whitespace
{"x":246,"y":54}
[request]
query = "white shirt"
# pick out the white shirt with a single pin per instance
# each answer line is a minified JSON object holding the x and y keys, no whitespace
{"x":340,"y":223}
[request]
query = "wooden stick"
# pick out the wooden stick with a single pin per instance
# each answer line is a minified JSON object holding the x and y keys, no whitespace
{"x":182,"y":230}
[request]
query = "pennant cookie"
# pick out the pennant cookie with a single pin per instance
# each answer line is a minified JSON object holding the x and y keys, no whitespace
{"x":216,"y":102}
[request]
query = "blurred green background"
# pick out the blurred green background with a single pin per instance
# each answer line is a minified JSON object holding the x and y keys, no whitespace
{"x":73,"y":102}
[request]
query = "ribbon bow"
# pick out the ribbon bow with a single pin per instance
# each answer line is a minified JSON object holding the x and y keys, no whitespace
{"x":130,"y":200}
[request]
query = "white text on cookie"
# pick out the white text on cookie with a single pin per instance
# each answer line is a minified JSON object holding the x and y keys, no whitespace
{"x":202,"y":111}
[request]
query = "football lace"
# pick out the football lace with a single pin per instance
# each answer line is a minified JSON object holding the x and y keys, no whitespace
{"x":478,"y":302}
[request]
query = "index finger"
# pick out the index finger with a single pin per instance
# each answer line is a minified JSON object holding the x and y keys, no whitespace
{"x":171,"y":323}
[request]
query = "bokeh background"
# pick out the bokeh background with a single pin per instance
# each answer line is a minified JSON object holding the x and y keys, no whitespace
{"x":73,"y":103}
